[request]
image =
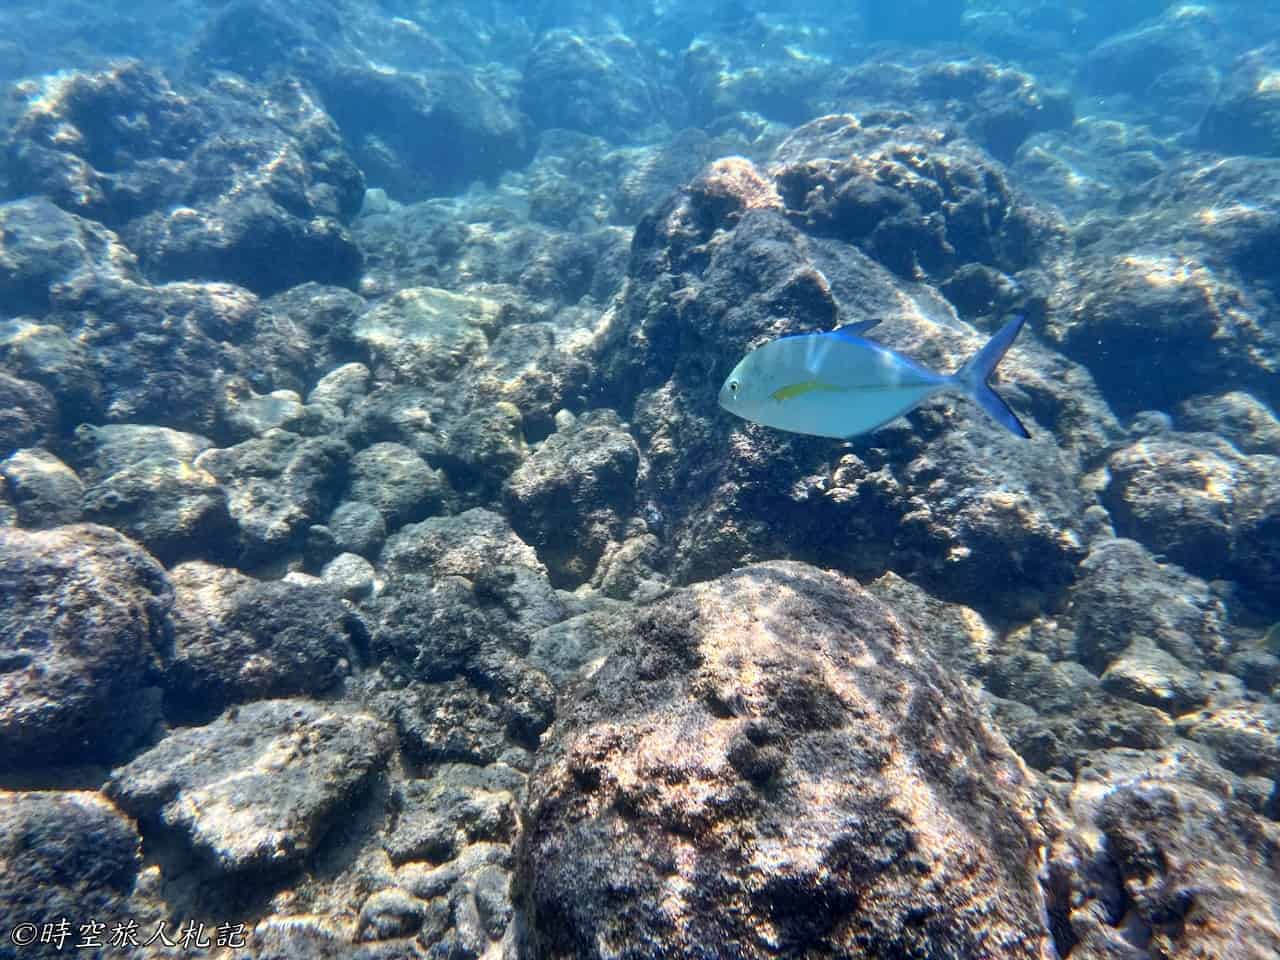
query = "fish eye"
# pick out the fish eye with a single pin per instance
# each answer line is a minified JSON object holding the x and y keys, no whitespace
{"x":733,"y":386}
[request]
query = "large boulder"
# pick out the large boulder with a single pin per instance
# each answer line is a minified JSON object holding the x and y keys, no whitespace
{"x":84,"y":626}
{"x":227,"y":182}
{"x":770,"y":760}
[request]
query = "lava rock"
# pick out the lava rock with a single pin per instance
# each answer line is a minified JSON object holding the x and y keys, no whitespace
{"x":1146,"y":674}
{"x":45,"y":491}
{"x":1246,"y":116}
{"x":601,"y":85}
{"x":350,"y":576}
{"x":1239,"y":417}
{"x":1122,"y":595}
{"x":1159,"y":846}
{"x":458,"y":805}
{"x":570,"y":498}
{"x":1203,"y":504}
{"x":397,"y":482}
{"x":175,"y":510}
{"x":257,"y":789}
{"x":28,"y":414}
{"x":67,"y":854}
{"x":237,"y":639}
{"x":277,"y":485}
{"x":227,"y":182}
{"x":86,"y":624}
{"x":833,"y":854}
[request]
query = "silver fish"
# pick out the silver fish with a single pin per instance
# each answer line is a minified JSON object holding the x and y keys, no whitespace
{"x":839,"y":384}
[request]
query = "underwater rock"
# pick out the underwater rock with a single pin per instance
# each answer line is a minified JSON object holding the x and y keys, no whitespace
{"x":175,"y":510}
{"x":341,"y":387}
{"x":570,"y":498}
{"x":1202,"y":504}
{"x":458,"y":805}
{"x":226,"y":182}
{"x":44,"y":490}
{"x":84,"y":622}
{"x":103,"y":450}
{"x":49,"y":252}
{"x":28,"y":414}
{"x":303,"y":333}
{"x":1055,"y":714}
{"x":1244,"y":736}
{"x":355,"y":527}
{"x":606,"y":85}
{"x":562,"y":649}
{"x":1092,"y":167}
{"x":1245,"y":118}
{"x":435,"y":632}
{"x":912,"y":199}
{"x":1159,"y":849}
{"x":1137,"y":63}
{"x":719,"y":269}
{"x":177,"y":344}
{"x":997,"y":106}
{"x":258,"y":788}
{"x":66,"y":854}
{"x":629,"y":570}
{"x":1122,"y":594}
{"x":398,"y":483}
{"x":1146,"y":674}
{"x":775,"y":745}
{"x":350,"y":576}
{"x":1167,"y":321}
{"x":464,"y":545}
{"x":45,"y":354}
{"x":1239,"y":417}
{"x":238,"y":639}
{"x":424,"y":336}
{"x":445,"y":722}
{"x":277,"y":485}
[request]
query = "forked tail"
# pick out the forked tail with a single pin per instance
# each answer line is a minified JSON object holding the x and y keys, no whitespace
{"x":973,"y":376}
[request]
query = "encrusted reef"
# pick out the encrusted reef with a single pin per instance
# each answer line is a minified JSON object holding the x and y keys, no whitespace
{"x":380,"y":577}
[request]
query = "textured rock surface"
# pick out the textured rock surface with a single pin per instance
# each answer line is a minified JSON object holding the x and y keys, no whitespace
{"x":261,"y":207}
{"x":771,"y":761}
{"x":257,"y":788}
{"x":1164,"y":852}
{"x":85,"y":627}
{"x":66,"y":854}
{"x":237,"y":639}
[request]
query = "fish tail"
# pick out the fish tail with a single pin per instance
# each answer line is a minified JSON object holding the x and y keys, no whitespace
{"x":972,"y":377}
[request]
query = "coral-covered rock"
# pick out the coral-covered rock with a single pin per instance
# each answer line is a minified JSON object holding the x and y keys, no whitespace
{"x":85,"y":625}
{"x":777,"y":747}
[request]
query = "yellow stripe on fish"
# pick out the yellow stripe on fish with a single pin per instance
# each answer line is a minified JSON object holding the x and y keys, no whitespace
{"x":799,"y":389}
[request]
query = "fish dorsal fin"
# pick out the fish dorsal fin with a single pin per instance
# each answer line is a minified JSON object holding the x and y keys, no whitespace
{"x":856,"y":329}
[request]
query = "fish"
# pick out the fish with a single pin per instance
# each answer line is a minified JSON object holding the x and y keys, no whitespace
{"x":839,"y":384}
